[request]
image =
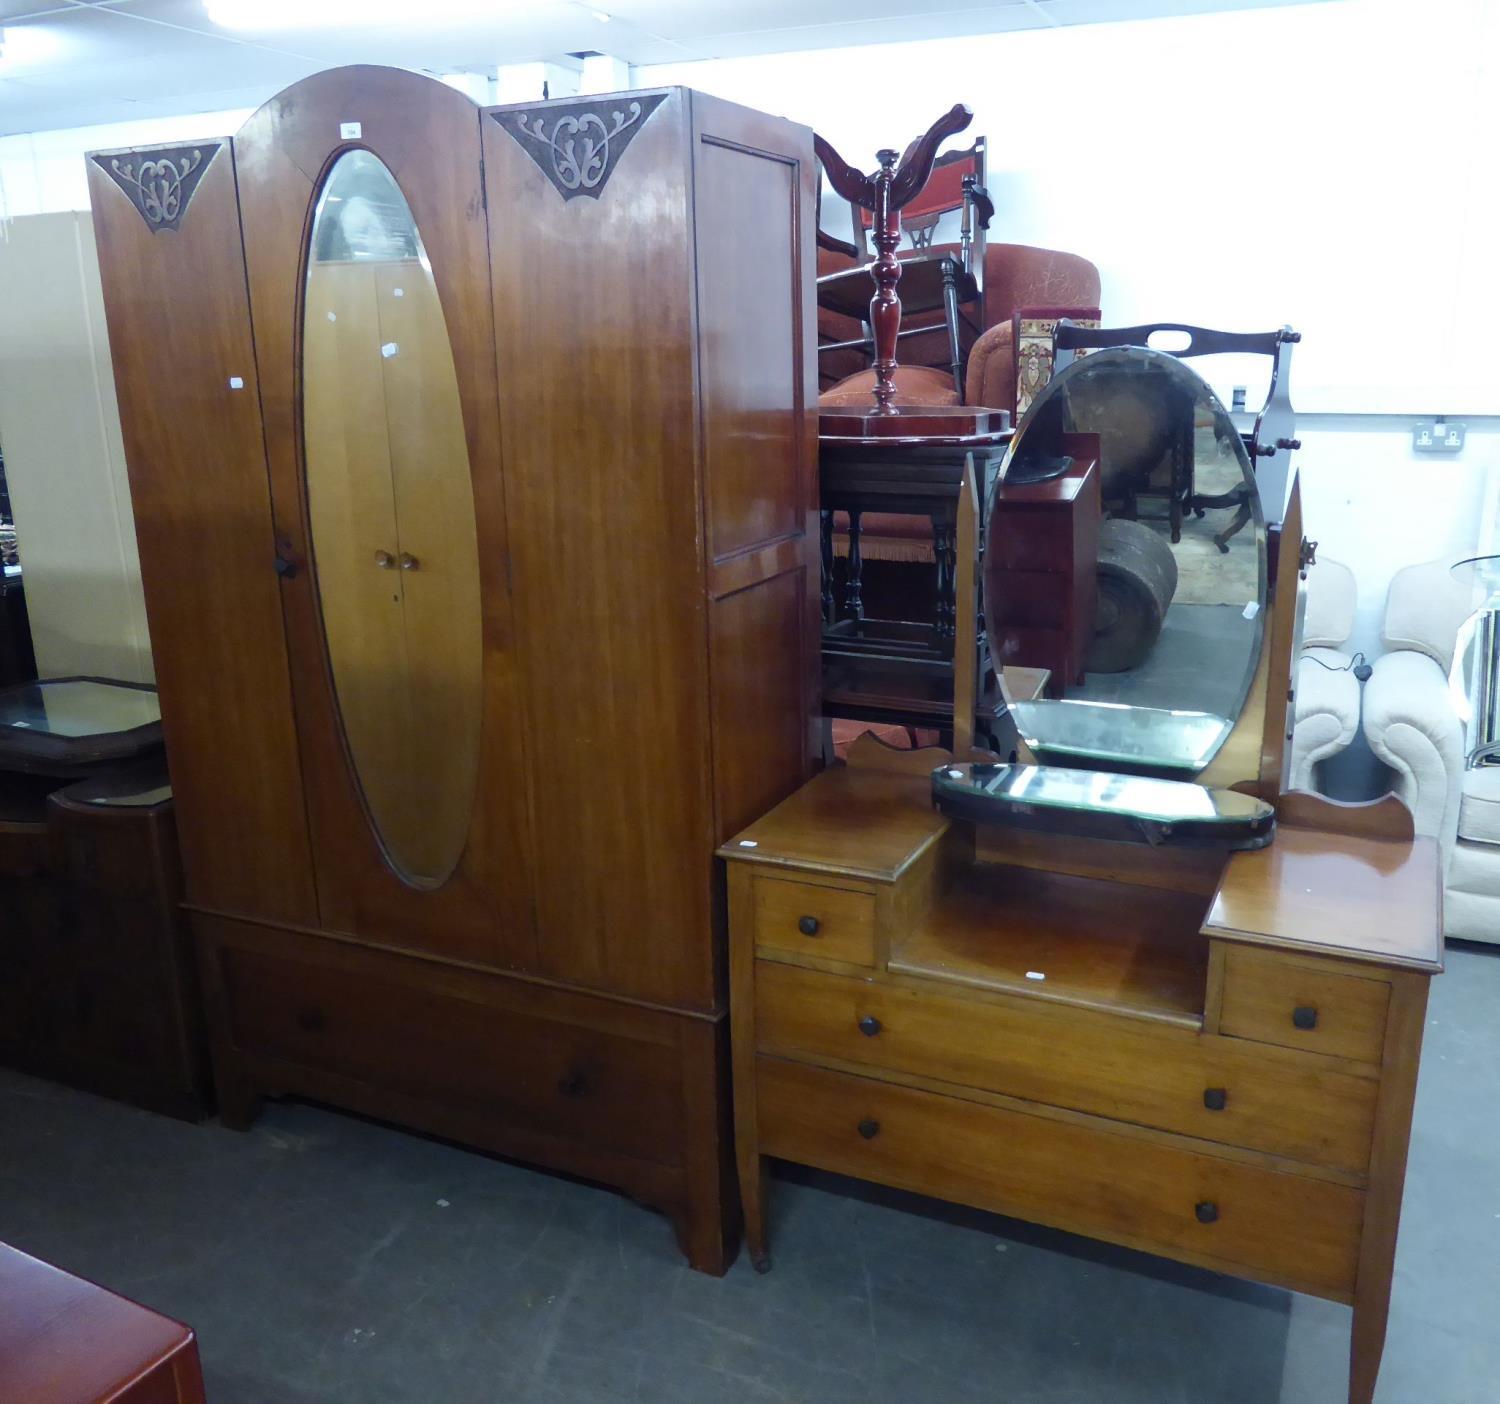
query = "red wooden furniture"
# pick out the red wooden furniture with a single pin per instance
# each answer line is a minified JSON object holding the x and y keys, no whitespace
{"x":885,"y":194}
{"x":67,"y":1341}
{"x":1040,"y":568}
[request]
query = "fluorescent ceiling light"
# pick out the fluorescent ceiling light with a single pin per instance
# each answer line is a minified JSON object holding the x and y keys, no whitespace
{"x":27,"y":43}
{"x":335,"y":14}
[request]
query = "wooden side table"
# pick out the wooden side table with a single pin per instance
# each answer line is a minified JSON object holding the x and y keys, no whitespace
{"x":874,"y":668}
{"x":67,"y":1341}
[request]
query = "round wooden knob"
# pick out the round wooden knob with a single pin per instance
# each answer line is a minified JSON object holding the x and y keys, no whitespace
{"x":808,"y":925}
{"x":1207,"y":1212}
{"x":1305,"y":1016}
{"x":868,"y":1128}
{"x":1215,"y":1098}
{"x":869,"y":1026}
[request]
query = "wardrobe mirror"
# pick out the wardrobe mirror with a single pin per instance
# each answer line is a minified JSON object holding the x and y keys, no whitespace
{"x":391,"y":517}
{"x":1181,"y":573}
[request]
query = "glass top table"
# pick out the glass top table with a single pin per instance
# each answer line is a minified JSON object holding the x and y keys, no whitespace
{"x":62,"y":726}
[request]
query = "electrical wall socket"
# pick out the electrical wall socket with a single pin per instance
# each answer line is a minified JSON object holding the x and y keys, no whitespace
{"x":1438,"y":436}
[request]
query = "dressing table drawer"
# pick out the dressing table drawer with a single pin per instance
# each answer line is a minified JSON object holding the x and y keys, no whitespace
{"x":1280,"y":1228}
{"x":1300,"y":1003}
{"x":834,"y":923}
{"x":1127,"y":1070}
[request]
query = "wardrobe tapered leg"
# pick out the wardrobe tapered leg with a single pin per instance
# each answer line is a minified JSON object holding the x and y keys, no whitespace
{"x":707,"y":1221}
{"x":742,"y":1028}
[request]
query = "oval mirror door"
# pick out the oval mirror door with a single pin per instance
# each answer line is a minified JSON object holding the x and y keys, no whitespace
{"x":1176,"y":602}
{"x":391,"y":517}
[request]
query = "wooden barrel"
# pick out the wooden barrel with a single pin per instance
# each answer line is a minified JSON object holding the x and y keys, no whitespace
{"x":1137,"y":579}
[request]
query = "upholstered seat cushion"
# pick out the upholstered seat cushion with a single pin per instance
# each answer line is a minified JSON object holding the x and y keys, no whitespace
{"x":1479,"y":807}
{"x":915,"y":385}
{"x":1471,"y":896}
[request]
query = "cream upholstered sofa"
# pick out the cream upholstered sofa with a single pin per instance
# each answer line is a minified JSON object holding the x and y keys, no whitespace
{"x":1412,"y":725}
{"x":1327,"y":715}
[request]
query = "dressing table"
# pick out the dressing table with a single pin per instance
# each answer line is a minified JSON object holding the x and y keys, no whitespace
{"x":1206,"y":1054}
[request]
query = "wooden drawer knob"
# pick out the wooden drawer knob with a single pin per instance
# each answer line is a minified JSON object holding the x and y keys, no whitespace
{"x":868,"y":1128}
{"x":1305,"y":1017}
{"x":1207,"y":1212}
{"x":1215,"y":1098}
{"x":808,"y":925}
{"x":869,"y":1026}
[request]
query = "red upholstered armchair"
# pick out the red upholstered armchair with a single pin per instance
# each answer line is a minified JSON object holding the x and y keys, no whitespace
{"x":1018,"y":276}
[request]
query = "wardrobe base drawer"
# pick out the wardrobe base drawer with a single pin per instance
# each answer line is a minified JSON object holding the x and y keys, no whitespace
{"x":1126,"y":1070}
{"x":1279,"y":1228}
{"x":484,"y":1046}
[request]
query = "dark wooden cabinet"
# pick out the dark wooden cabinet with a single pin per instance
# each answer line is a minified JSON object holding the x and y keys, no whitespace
{"x":631,"y":342}
{"x":97,"y":981}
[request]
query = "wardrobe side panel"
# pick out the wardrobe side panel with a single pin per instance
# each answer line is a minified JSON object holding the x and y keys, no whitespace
{"x":754,"y":207}
{"x":185,"y":375}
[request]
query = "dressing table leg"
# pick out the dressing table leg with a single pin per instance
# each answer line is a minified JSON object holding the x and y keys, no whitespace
{"x":1377,"y":1248}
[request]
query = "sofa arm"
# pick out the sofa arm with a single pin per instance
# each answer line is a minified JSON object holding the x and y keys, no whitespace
{"x":1327,"y":712}
{"x":1411,"y":725}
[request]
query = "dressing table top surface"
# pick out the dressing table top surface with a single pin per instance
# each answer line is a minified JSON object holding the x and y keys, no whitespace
{"x":1367,"y":898}
{"x":860,"y":823}
{"x":1323,"y":893}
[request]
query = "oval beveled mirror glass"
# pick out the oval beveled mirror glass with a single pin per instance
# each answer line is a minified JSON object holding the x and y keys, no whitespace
{"x":391,"y":518}
{"x":1176,"y":604}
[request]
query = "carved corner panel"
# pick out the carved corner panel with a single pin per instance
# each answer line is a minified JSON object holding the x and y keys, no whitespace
{"x":160,"y":181}
{"x":577,"y":145}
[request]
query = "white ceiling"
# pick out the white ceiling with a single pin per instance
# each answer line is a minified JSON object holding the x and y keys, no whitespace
{"x":72,"y":63}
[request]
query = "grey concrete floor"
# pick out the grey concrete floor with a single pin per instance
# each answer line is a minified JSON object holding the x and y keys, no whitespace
{"x":325,"y":1259}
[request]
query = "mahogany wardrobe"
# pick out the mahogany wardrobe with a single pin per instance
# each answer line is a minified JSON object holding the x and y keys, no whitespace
{"x":474,"y":476}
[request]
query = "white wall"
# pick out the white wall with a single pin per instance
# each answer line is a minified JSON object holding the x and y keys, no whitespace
{"x":1328,"y":165}
{"x":43,"y":172}
{"x":64,"y":459}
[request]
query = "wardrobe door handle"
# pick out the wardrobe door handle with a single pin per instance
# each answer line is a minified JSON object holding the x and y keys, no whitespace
{"x":384,"y":560}
{"x":409,"y":561}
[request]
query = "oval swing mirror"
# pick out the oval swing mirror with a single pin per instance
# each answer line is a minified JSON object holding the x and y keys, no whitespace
{"x":1178,"y":593}
{"x":391,"y":519}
